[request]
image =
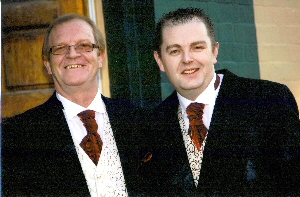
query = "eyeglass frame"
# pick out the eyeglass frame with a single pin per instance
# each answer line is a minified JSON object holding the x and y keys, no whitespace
{"x":94,"y":46}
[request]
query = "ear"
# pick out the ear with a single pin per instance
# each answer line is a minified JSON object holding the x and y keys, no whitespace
{"x":100,"y":60}
{"x":159,"y":61}
{"x":216,"y":52}
{"x":48,"y":67}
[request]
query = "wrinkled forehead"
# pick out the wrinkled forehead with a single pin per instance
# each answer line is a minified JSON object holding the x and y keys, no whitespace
{"x":72,"y":30}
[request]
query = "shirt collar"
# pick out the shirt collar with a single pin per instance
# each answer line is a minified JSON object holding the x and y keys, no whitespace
{"x":71,"y":109}
{"x":206,"y":97}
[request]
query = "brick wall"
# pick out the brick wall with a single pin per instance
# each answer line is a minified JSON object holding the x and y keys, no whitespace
{"x":278,"y":36}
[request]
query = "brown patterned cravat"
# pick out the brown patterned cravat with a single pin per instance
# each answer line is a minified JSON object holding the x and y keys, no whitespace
{"x":91,"y":143}
{"x":197,"y":130}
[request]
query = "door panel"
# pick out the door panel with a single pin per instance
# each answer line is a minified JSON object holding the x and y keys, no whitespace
{"x":22,"y":60}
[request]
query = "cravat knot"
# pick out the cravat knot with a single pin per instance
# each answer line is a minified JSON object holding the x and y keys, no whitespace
{"x":88,"y":119}
{"x":91,"y":143}
{"x":197,"y":130}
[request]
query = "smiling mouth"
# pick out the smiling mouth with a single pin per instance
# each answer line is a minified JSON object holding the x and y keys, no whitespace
{"x":74,"y":66}
{"x":190,"y":71}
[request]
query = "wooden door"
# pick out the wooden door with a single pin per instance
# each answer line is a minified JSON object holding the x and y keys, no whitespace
{"x":25,"y":83}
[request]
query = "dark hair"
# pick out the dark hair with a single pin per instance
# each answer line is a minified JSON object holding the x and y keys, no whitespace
{"x":66,"y":18}
{"x":182,"y":16}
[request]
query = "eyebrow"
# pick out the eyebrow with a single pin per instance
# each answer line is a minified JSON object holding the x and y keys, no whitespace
{"x":199,"y":42}
{"x":192,"y":44}
{"x":80,"y":41}
{"x":172,"y":46}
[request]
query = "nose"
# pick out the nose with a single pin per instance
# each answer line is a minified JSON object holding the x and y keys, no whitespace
{"x":187,"y":57}
{"x":72,"y":52}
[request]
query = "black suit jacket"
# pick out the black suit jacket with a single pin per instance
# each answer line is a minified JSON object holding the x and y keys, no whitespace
{"x":39,"y":157}
{"x":252,"y":146}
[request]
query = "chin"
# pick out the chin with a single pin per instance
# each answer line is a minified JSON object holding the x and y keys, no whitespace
{"x":192,"y":86}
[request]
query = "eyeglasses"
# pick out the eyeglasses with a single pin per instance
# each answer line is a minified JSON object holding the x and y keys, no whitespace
{"x":79,"y":48}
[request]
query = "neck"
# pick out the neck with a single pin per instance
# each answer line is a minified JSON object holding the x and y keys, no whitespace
{"x":81,"y":96}
{"x":193,"y":94}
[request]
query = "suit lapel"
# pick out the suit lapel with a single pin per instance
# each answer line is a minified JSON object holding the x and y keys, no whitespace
{"x":180,"y":171}
{"x":223,"y":140}
{"x":214,"y":144}
{"x":61,"y":159}
{"x":55,"y":115}
{"x":121,"y":115}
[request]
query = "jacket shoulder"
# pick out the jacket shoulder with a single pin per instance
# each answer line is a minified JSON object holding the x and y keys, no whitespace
{"x":265,"y":94}
{"x":35,"y":113}
{"x":258,"y":87}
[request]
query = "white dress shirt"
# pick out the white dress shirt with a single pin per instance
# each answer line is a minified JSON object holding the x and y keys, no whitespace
{"x":105,"y":179}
